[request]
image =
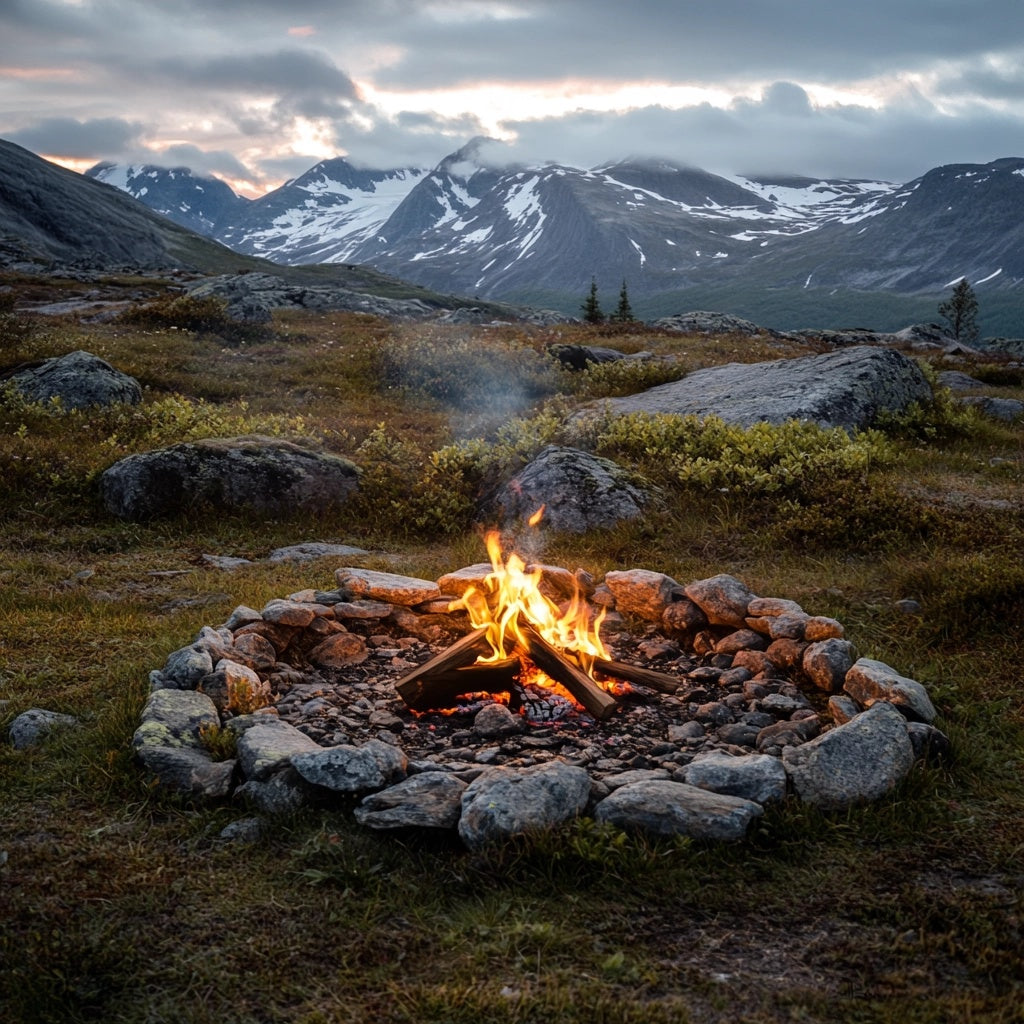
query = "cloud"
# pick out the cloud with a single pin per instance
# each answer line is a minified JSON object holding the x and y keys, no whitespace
{"x":216,"y":162}
{"x":72,"y":139}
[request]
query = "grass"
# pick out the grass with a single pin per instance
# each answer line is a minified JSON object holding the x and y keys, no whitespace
{"x":119,"y":904}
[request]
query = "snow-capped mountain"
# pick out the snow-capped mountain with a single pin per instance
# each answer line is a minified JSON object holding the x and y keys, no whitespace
{"x":322,"y":216}
{"x":539,"y":234}
{"x":195,"y":202}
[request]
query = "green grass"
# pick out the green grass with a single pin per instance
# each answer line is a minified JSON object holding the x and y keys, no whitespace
{"x":119,"y":904}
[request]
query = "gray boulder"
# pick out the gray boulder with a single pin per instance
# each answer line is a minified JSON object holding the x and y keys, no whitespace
{"x":348,"y":769}
{"x":429,"y":800}
{"x":579,"y":492}
{"x":665,"y":808}
{"x":847,"y":388}
{"x":255,"y":474}
{"x":701,"y":321}
{"x":757,"y":777}
{"x":79,"y":380}
{"x":33,"y":726}
{"x":1005,"y":409}
{"x":854,"y":763}
{"x":503,"y":802}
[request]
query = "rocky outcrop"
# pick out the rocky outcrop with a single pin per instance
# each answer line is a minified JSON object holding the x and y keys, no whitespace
{"x":251,"y":297}
{"x":847,"y":388}
{"x":700,"y":321}
{"x":579,"y":492}
{"x":77,"y":380}
{"x":255,"y":474}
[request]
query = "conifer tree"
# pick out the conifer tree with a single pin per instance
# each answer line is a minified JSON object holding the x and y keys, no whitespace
{"x":623,"y":311}
{"x":591,"y":307}
{"x":960,"y":310}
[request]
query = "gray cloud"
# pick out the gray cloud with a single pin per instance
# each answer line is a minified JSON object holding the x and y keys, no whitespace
{"x":78,"y":140}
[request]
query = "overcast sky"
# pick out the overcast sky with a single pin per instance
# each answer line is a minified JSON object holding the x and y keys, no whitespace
{"x":257,"y":91}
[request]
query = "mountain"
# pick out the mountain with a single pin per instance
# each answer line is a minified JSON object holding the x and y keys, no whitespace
{"x":48,"y":213}
{"x":195,"y":202}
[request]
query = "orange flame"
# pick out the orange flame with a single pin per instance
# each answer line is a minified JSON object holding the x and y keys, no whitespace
{"x":511,"y":596}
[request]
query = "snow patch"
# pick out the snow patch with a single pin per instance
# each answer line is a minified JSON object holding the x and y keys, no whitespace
{"x":990,"y":276}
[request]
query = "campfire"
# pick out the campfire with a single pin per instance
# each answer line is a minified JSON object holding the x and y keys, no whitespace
{"x":523,"y":641}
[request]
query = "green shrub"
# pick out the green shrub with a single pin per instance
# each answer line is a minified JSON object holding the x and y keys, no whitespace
{"x":199,"y":315}
{"x":623,"y":377}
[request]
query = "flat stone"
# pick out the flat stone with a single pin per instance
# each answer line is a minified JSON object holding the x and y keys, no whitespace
{"x":429,"y":800}
{"x":312,"y":550}
{"x":853,"y":763}
{"x":667,"y":808}
{"x":459,"y":581}
{"x":386,"y":586}
{"x":869,"y":681}
{"x":175,"y":718}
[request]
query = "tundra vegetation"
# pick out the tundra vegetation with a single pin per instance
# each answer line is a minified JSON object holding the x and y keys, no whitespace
{"x":120,"y":904}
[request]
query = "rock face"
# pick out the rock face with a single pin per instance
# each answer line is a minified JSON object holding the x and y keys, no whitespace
{"x":847,"y":388}
{"x":79,"y":380}
{"x":579,"y":492}
{"x":261,"y":475}
{"x":701,"y":321}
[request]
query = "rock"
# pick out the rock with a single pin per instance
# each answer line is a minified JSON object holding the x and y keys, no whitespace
{"x":428,"y":800}
{"x":242,"y":616}
{"x":847,"y":388}
{"x":282,"y":793}
{"x":348,"y":769}
{"x":503,"y":802}
{"x":235,"y":688}
{"x":186,"y":667}
{"x":869,"y":681}
{"x":666,"y":808}
{"x":957,"y":380}
{"x":853,"y":763}
{"x":704,"y":322}
{"x":188,"y":771}
{"x":289,"y":613}
{"x":683,"y":616}
{"x":459,"y":581}
{"x":255,"y":474}
{"x":641,"y":592}
{"x":826,"y":663}
{"x":79,"y":380}
{"x":820,"y":627}
{"x":757,"y":777}
{"x":386,"y":586}
{"x":788,"y":733}
{"x":494,"y":720}
{"x":928,"y":742}
{"x":312,"y":550}
{"x":1005,"y":409}
{"x":33,"y":726}
{"x":265,"y":747}
{"x":339,"y":650}
{"x":843,"y":709}
{"x":579,"y":492}
{"x":741,"y":640}
{"x":579,"y":357}
{"x":722,"y":598}
{"x":175,"y":718}
{"x":244,"y":830}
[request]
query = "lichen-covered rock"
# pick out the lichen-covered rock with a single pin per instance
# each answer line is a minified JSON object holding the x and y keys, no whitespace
{"x":349,"y":769}
{"x":78,"y":380}
{"x":255,"y":474}
{"x":579,"y":492}
{"x":853,"y":763}
{"x":504,"y":802}
{"x":666,"y":808}
{"x":175,"y":718}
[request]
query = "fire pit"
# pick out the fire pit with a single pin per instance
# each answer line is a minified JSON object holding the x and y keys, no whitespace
{"x":507,"y":697}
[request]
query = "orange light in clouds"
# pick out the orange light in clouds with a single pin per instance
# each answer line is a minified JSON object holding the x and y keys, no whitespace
{"x":302,"y":30}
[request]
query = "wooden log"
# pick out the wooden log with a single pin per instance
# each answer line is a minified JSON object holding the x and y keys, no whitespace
{"x":441,"y":689}
{"x":660,"y":681}
{"x":598,"y":702}
{"x":414,"y":688}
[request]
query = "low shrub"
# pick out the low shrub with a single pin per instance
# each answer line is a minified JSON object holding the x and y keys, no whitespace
{"x":199,"y":315}
{"x":623,"y":377}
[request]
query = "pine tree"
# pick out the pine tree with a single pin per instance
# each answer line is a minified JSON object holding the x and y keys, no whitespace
{"x":623,"y":311}
{"x":960,"y":310}
{"x":591,"y":306}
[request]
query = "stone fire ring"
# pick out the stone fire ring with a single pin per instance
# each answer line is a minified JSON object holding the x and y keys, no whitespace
{"x":740,"y":733}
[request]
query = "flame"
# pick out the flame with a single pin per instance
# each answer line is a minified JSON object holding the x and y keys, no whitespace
{"x":537,"y":516}
{"x":511,"y":596}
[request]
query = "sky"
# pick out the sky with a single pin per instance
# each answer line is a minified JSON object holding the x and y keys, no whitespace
{"x":258,"y":91}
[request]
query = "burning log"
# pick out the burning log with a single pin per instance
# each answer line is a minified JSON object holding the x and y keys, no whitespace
{"x":417,"y":688}
{"x":598,"y":702}
{"x":660,"y":681}
{"x":441,"y":689}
